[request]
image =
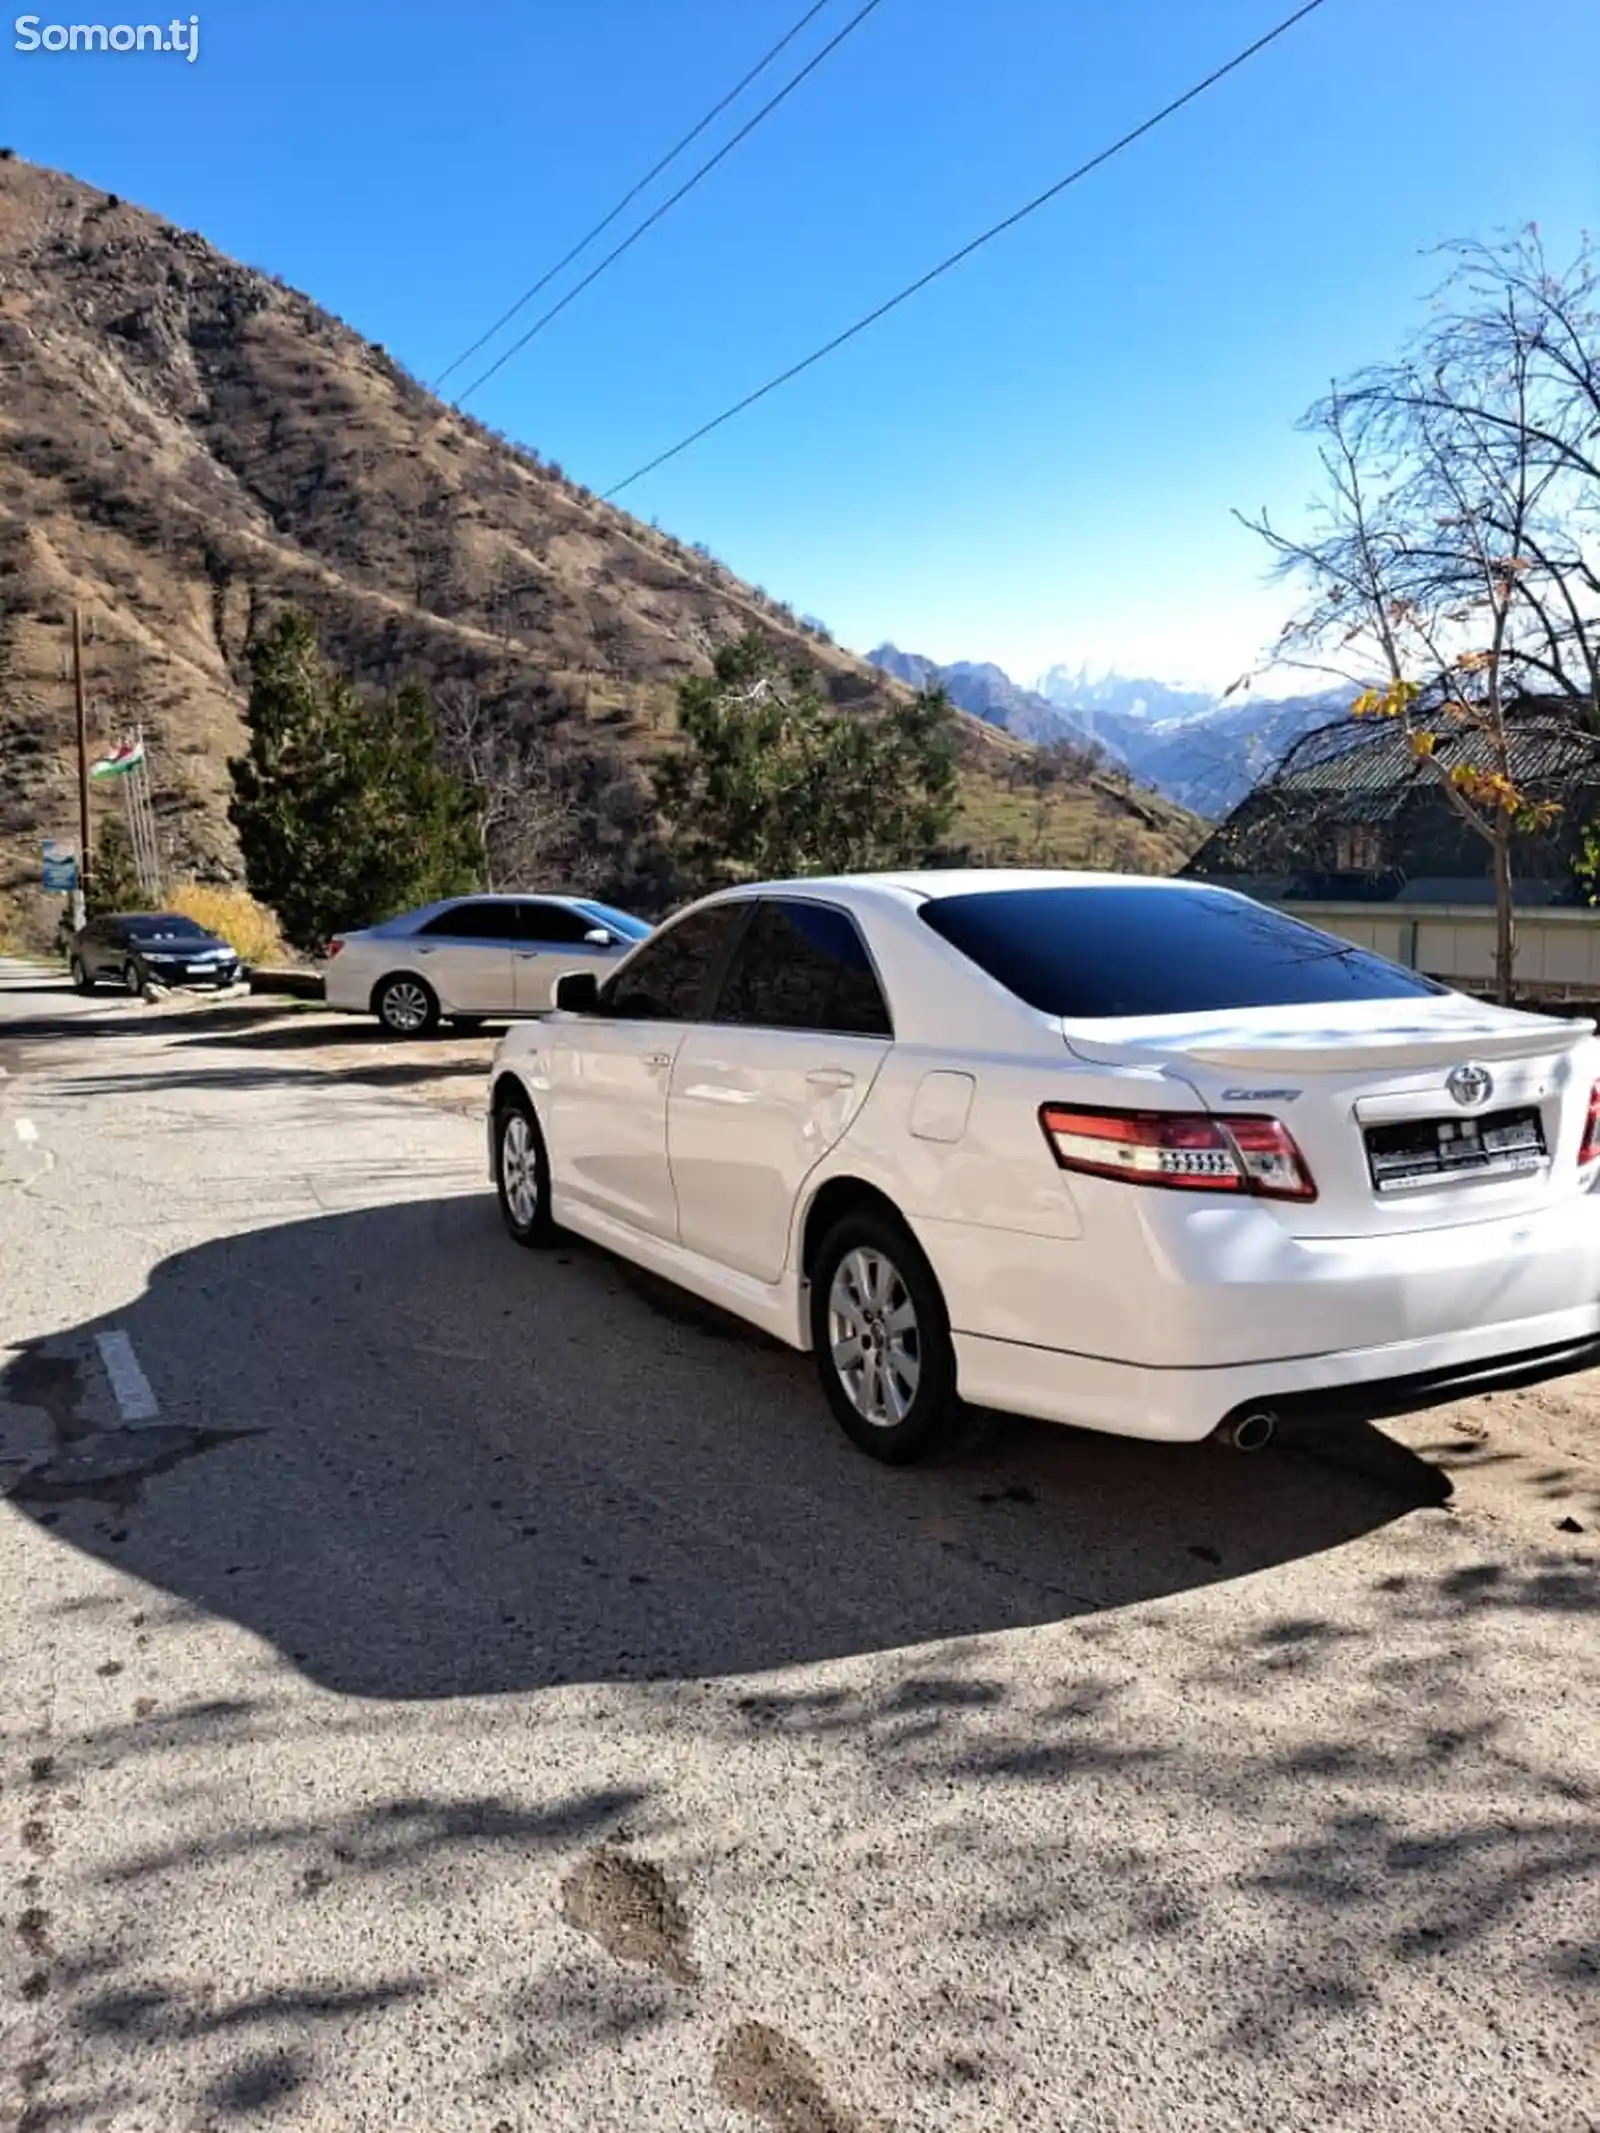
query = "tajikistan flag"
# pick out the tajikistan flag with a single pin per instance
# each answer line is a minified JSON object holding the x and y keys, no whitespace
{"x":128,"y":757}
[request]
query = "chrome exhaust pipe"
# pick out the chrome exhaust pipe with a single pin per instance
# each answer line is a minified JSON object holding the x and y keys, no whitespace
{"x":1249,"y":1432}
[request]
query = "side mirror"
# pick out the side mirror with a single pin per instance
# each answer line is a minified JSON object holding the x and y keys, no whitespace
{"x":578,"y":993}
{"x":597,"y":937}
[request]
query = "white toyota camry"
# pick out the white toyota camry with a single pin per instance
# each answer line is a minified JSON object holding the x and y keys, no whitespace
{"x":472,"y":959}
{"x":1139,"y":1155}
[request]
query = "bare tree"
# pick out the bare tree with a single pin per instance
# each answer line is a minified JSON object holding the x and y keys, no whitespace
{"x":1451,"y":560}
{"x":524,"y":819}
{"x":1508,"y":376}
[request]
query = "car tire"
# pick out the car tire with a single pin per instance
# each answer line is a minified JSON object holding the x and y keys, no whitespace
{"x":132,"y":983}
{"x":522,"y":1174}
{"x":81,"y":980}
{"x":871,"y":1286}
{"x":406,"y":1006}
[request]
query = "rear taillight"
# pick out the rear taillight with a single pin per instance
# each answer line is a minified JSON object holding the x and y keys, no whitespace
{"x":1589,"y":1151}
{"x":1195,"y":1151}
{"x":333,"y":947}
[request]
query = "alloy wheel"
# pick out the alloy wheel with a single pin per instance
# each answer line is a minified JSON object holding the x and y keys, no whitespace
{"x":405,"y":1007}
{"x":519,"y":1169}
{"x":874,"y":1338}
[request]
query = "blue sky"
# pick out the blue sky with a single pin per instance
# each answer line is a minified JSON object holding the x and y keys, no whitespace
{"x":1036,"y":460}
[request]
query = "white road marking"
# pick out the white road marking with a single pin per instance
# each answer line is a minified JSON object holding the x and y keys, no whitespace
{"x":130,"y":1387}
{"x":27,"y":1131}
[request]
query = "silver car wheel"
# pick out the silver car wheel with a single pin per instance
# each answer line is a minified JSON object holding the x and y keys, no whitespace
{"x":874,"y":1338}
{"x":519,"y":1169}
{"x":130,"y":979}
{"x":404,"y":1007}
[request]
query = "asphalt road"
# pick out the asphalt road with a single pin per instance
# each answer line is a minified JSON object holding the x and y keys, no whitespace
{"x":452,"y":1689}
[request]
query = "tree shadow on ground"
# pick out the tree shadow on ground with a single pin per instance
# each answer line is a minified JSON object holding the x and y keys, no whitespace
{"x":405,"y":1071}
{"x":125,"y":2021}
{"x":1338,"y":1837}
{"x":313,"y":1029}
{"x":257,"y":1025}
{"x":241,"y":1045}
{"x":129,"y":1018}
{"x":422,"y":1464}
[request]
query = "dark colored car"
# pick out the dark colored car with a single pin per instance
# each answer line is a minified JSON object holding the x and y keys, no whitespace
{"x":155,"y":948}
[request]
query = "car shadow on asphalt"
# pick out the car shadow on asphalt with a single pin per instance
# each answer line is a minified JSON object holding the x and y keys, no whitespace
{"x":420,"y":1463}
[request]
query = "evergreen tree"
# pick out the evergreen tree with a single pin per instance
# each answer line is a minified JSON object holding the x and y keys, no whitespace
{"x":113,"y":883}
{"x":344,"y":814}
{"x":773,"y":781}
{"x":422,"y":837}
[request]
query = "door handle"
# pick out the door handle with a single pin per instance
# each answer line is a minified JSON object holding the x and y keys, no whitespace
{"x":529,"y":955}
{"x":424,"y":951}
{"x":831,"y":1078}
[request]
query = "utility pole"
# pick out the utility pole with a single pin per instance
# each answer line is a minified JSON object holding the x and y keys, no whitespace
{"x":83,"y":769}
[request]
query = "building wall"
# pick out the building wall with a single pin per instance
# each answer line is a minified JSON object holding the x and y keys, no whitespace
{"x":1557,"y":951}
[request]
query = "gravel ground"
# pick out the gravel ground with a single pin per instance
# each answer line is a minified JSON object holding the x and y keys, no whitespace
{"x":478,"y":1693}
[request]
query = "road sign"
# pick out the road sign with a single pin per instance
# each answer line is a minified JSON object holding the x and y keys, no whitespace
{"x":60,"y":866}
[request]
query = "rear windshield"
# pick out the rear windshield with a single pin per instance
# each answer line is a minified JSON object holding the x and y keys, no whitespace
{"x":1096,"y":953}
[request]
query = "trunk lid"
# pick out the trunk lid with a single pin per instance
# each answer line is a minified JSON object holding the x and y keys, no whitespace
{"x":1410,"y":1114}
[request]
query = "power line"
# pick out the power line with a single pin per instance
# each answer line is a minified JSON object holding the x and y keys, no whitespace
{"x":628,"y":198}
{"x":683,"y":191}
{"x":998,"y":229}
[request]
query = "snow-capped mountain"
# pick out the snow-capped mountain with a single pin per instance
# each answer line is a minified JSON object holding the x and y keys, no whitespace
{"x":988,"y":693}
{"x":1121,"y":696}
{"x":1201,"y":750}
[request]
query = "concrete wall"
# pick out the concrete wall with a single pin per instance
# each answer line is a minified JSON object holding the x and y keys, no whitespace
{"x":1557,"y":951}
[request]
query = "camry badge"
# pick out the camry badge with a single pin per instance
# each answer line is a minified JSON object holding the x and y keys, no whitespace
{"x":1470,"y":1085}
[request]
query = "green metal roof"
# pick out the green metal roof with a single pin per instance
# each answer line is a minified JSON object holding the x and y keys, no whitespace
{"x":1371,"y":761}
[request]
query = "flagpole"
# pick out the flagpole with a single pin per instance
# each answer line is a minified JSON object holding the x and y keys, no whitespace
{"x":126,"y":782}
{"x":83,"y":767}
{"x":139,"y":787}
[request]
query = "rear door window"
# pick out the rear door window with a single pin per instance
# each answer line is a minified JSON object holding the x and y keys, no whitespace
{"x":473,"y":921}
{"x":1099,"y":953}
{"x":554,"y":926}
{"x":804,"y":966}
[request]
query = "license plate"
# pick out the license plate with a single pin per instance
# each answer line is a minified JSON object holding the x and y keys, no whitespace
{"x":1412,"y":1153}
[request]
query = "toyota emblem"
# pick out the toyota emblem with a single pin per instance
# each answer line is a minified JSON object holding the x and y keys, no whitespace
{"x":1471,"y":1085}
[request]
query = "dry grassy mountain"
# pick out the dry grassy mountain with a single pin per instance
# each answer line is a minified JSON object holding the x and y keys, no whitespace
{"x":186,"y":443}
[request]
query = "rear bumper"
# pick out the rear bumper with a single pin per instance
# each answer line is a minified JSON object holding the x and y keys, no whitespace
{"x":346,"y":992}
{"x":1185,"y":1286}
{"x":1378,"y":1398}
{"x":1179,"y":1405}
